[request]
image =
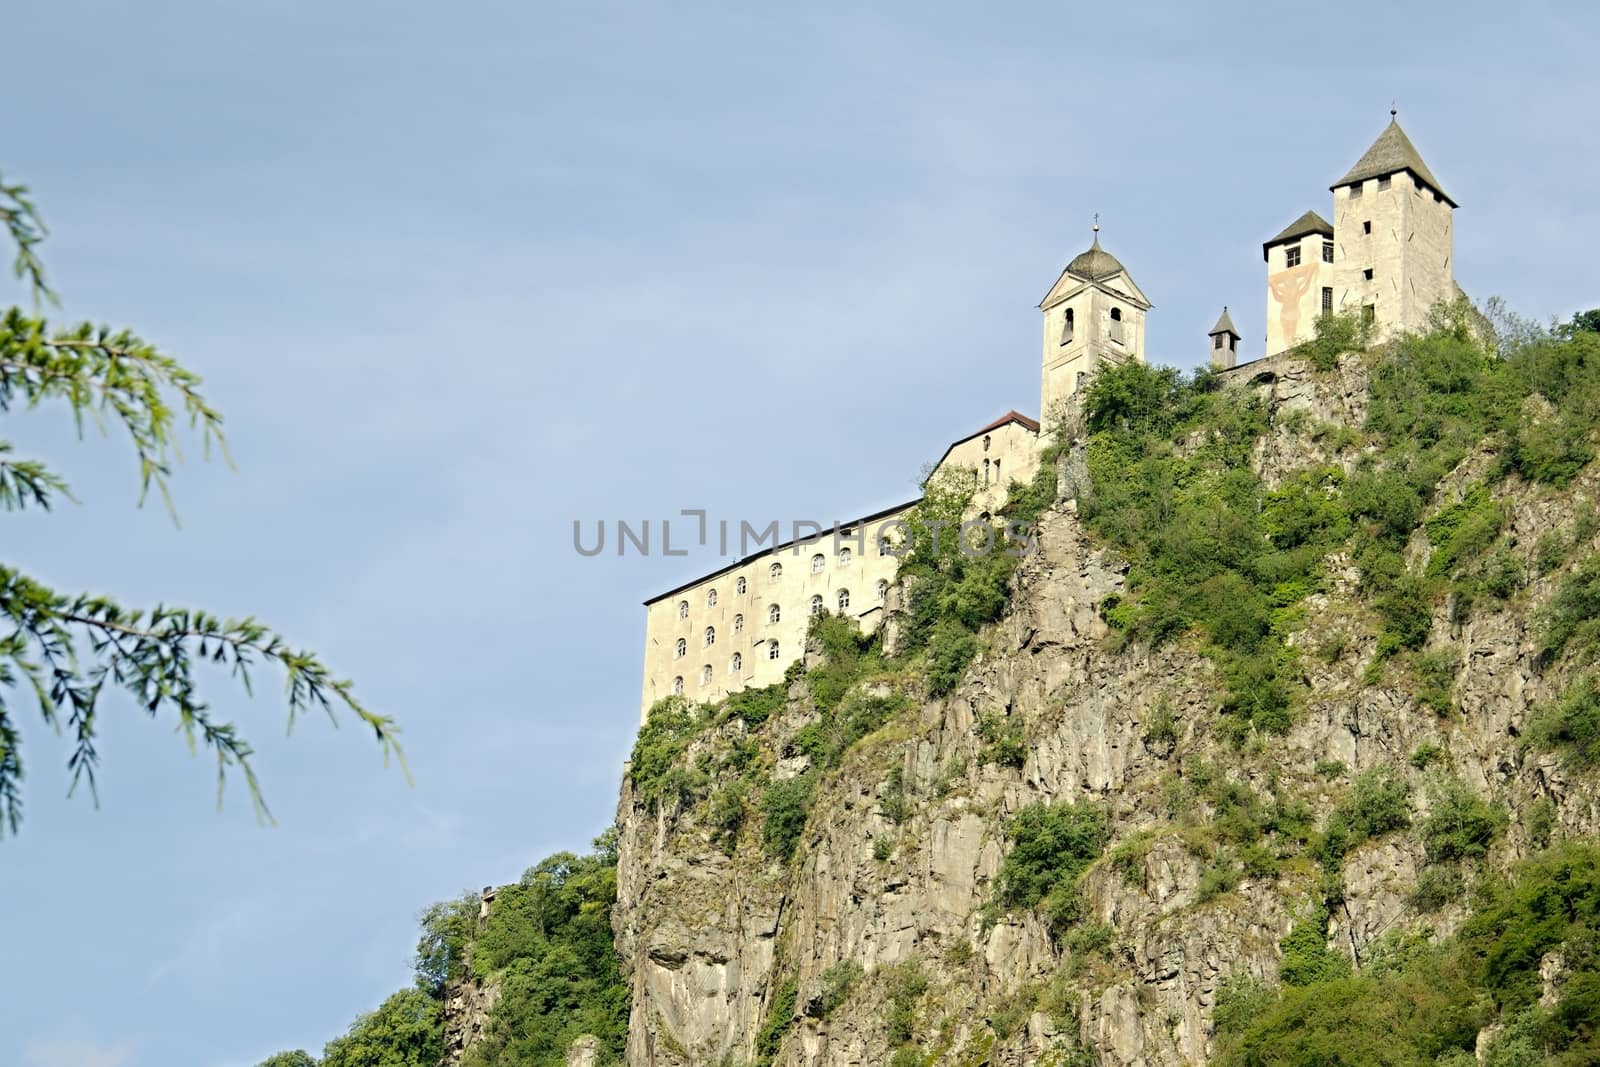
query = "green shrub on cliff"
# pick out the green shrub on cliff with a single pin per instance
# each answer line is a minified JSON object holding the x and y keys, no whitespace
{"x":1460,"y":824}
{"x":1572,"y":619}
{"x":657,"y":767}
{"x":1214,"y":553}
{"x":1570,"y":724}
{"x":1210,"y":550}
{"x":785,"y":806}
{"x":1051,"y":845}
{"x":1379,"y":803}
{"x":1418,"y":1005}
{"x":954,"y":589}
{"x":1307,"y":959}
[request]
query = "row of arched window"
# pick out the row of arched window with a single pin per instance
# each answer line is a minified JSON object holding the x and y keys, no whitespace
{"x":843,"y":598}
{"x":819,"y":563}
{"x":709,"y":638}
{"x":1067,"y":325}
{"x":735,"y":665}
{"x":774,"y":615}
{"x":740,"y":587}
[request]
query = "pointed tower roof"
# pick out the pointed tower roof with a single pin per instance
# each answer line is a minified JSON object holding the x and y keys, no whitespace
{"x":1308,"y":223}
{"x":1224,"y":325}
{"x":1391,"y":153}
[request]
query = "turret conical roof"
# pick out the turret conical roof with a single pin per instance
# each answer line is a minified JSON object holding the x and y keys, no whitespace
{"x":1391,"y":153}
{"x":1224,"y":325}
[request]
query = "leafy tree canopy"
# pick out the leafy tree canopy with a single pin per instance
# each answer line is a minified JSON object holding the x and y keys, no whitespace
{"x":298,"y":1058}
{"x":405,"y":1031}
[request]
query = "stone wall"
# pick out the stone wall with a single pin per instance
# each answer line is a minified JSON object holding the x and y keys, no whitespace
{"x":1403,"y":235}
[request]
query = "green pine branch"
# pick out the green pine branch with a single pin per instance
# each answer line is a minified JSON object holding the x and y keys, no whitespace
{"x":66,"y":649}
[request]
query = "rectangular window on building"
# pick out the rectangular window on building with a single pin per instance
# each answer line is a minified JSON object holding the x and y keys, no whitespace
{"x":1368,"y":313}
{"x":1327,"y":251}
{"x":1327,"y":301}
{"x":1355,"y":190}
{"x":1383,"y":182}
{"x":1291,"y":256}
{"x":1366,"y":227}
{"x":1219,"y":341}
{"x":1367,"y":274}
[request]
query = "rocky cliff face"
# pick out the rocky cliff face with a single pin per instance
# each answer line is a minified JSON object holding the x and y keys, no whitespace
{"x":468,"y":1004}
{"x":884,"y":923}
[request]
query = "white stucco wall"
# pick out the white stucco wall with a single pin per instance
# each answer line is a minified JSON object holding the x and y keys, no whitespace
{"x":1294,"y":294}
{"x":1063,"y":366}
{"x":742,"y":622}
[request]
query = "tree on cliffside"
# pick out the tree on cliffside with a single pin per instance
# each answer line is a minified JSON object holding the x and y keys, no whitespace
{"x":405,"y":1031}
{"x":297,"y":1058}
{"x":62,"y":650}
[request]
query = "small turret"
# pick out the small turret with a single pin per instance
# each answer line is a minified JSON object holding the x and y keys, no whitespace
{"x":1224,"y":342}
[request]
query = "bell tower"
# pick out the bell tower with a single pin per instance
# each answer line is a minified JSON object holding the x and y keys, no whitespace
{"x":1093,"y":314}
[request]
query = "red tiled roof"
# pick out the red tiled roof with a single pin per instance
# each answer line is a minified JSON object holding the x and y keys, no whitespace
{"x":1031,"y":425}
{"x":1010,"y":416}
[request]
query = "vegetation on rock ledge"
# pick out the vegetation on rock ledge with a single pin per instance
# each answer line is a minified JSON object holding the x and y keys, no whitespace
{"x":1214,"y":552}
{"x":1417,"y":1004}
{"x":546,"y":945}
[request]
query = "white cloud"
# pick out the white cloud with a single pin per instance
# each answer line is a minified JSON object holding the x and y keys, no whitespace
{"x":73,"y":1053}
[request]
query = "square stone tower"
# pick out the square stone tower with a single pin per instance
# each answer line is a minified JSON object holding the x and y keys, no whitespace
{"x":1386,"y":256}
{"x":1392,"y":236}
{"x":1093,"y":314}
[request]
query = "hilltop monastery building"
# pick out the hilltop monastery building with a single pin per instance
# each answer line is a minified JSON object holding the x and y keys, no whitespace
{"x":1386,"y":256}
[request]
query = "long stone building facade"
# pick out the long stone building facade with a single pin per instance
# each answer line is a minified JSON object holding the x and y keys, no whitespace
{"x":1386,"y":256}
{"x":741,"y":626}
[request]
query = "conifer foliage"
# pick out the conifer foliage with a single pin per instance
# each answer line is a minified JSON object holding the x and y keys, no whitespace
{"x":61,"y":651}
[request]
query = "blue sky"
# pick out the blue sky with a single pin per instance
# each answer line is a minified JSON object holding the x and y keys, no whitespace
{"x":458,"y":275}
